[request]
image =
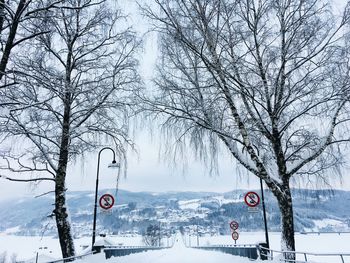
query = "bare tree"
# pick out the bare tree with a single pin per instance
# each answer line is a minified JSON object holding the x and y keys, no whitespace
{"x":151,"y":236}
{"x":74,"y":93}
{"x":19,"y":21}
{"x":265,"y":79}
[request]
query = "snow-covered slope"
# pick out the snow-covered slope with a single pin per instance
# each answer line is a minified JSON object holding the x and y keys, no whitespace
{"x":133,"y":212}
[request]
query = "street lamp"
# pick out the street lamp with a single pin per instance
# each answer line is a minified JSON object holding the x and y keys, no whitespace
{"x":264,"y":208}
{"x":114,"y":164}
{"x":264,"y":214}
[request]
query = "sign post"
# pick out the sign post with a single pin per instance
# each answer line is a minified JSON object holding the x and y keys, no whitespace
{"x":264,"y":214}
{"x":106,"y":201}
{"x":234,"y":226}
{"x":235,"y":236}
{"x":252,"y":199}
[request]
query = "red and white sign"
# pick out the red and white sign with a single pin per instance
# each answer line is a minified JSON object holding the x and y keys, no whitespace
{"x":252,"y":199}
{"x":106,"y":201}
{"x":235,"y":235}
{"x":234,"y":225}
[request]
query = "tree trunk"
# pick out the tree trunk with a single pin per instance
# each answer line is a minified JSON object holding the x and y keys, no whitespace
{"x":62,"y":222}
{"x":285,"y":204}
{"x":61,"y":215}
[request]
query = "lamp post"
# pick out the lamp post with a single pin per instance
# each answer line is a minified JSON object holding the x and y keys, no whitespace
{"x":113,"y":164}
{"x":264,"y":209}
{"x":264,"y":214}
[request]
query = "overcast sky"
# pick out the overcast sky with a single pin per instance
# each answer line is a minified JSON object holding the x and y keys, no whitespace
{"x":146,"y":171}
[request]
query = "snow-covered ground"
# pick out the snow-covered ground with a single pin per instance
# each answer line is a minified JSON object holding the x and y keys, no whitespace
{"x":310,"y":243}
{"x":177,"y":254}
{"x":326,"y":222}
{"x":190,"y":204}
{"x":27,"y":247}
{"x":322,"y":243}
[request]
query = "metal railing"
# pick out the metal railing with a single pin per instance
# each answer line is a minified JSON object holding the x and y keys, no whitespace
{"x":249,"y":251}
{"x":323,"y":232}
{"x":302,"y":257}
{"x":119,"y":251}
{"x":111,"y":251}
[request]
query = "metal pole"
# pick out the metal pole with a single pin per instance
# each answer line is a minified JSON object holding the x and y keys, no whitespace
{"x":96,"y":193}
{"x":197,"y":236}
{"x":159,"y":235}
{"x":264,"y":214}
{"x":95,"y":206}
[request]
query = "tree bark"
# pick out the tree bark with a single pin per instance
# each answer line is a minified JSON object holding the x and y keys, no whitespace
{"x":61,"y":213}
{"x":284,"y":199}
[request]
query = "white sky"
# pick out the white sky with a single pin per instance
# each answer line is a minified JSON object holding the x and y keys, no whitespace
{"x":146,"y":171}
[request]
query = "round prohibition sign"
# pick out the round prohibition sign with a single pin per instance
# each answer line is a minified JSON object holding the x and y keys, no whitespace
{"x":235,"y":235}
{"x":252,"y":199}
{"x":106,"y":201}
{"x":234,"y":225}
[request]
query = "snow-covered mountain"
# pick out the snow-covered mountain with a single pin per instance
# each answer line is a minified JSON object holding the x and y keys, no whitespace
{"x":133,"y":212}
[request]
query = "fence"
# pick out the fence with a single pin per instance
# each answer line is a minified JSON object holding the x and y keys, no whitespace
{"x":118,"y":251}
{"x":302,"y":257}
{"x":249,"y":251}
{"x":112,"y":251}
{"x":260,"y":251}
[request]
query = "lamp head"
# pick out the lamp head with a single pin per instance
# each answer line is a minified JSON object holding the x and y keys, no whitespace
{"x":114,"y":164}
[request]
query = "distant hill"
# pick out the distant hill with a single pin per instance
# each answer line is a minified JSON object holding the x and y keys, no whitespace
{"x":315,"y":210}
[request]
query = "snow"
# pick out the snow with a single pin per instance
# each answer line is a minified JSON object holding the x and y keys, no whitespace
{"x":310,"y":243}
{"x":243,"y":158}
{"x":313,"y":243}
{"x":328,"y":222}
{"x":222,"y":200}
{"x":190,"y":204}
{"x":12,"y":230}
{"x":27,"y":247}
{"x":177,"y":254}
{"x":40,"y":258}
{"x":107,"y":241}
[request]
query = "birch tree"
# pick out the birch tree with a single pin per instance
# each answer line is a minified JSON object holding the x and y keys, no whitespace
{"x":74,"y":94}
{"x":19,"y":21}
{"x":267,"y":80}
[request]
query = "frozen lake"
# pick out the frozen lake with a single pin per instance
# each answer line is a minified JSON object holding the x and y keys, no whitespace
{"x":26,"y":247}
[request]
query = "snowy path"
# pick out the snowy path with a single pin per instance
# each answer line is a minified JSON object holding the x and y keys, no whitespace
{"x":177,"y":254}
